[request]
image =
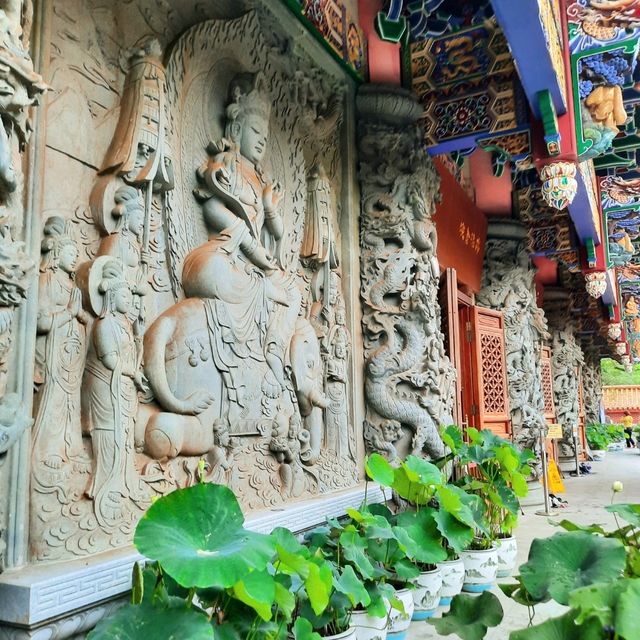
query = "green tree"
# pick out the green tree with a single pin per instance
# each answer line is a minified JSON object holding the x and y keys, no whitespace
{"x":613,"y":373}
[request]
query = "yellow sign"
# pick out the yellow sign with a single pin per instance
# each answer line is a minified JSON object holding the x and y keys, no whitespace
{"x":555,"y":479}
{"x":555,"y":432}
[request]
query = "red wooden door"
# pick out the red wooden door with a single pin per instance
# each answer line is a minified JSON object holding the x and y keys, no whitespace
{"x":484,"y":388}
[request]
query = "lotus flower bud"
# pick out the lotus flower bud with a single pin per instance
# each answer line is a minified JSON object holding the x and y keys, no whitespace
{"x":617,"y":486}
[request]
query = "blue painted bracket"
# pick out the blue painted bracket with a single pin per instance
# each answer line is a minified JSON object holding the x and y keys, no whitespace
{"x":522,"y":24}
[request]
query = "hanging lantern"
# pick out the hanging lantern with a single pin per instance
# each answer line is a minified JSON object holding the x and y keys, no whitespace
{"x":621,"y":348}
{"x":559,"y":184}
{"x":615,"y":330}
{"x":626,"y":360}
{"x":596,"y":283}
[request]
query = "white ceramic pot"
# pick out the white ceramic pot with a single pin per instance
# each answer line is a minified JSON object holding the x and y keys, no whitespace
{"x":452,"y":579}
{"x":480,"y":569}
{"x":426,"y":595}
{"x":349,"y":634}
{"x":535,"y":495}
{"x":507,"y":556}
{"x":399,"y":622}
{"x":367,"y":627}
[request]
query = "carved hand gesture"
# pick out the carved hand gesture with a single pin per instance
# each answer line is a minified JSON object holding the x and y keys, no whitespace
{"x":141,"y":382}
{"x":271,"y":197}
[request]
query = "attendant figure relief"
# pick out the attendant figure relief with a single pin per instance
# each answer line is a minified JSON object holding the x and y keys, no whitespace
{"x":110,"y":393}
{"x":57,"y":448}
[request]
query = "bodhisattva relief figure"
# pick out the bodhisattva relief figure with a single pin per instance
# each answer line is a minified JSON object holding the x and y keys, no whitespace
{"x":241,"y":309}
{"x":125,"y":244}
{"x":110,"y":392}
{"x":60,"y":354}
{"x":337,"y":419}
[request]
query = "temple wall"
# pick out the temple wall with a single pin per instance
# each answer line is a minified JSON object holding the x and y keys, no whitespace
{"x":192,"y":297}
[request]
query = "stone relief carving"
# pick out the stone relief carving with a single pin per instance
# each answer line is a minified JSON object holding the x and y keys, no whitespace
{"x":592,"y":387}
{"x":567,"y":361}
{"x":57,"y":447}
{"x":508,"y":286}
{"x":244,"y":361}
{"x":407,"y":374}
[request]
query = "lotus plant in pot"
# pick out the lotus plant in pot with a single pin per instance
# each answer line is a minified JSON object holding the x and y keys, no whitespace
{"x":496,"y":472}
{"x":211,"y":577}
{"x":345,"y":544}
{"x":440,"y":515}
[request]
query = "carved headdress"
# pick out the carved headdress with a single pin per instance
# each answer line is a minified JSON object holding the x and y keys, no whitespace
{"x":248,"y":96}
{"x":57,"y":235}
{"x":106,"y":277}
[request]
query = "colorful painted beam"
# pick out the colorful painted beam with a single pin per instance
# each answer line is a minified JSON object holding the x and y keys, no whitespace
{"x":533,"y":30}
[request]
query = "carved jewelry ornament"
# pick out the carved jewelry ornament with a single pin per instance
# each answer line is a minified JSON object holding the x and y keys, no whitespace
{"x":559,"y":184}
{"x":615,"y":330}
{"x":596,"y":284}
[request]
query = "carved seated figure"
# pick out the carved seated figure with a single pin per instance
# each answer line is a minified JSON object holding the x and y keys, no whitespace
{"x":207,"y":356}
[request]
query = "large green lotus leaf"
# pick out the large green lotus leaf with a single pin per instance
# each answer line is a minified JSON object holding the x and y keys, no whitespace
{"x":628,"y":512}
{"x":197,"y":536}
{"x":457,"y":534}
{"x":563,"y":628}
{"x":470,"y":617}
{"x":355,"y":550}
{"x":407,"y":485}
{"x":133,"y":622}
{"x":303,"y":630}
{"x":422,"y":471}
{"x":351,"y":586}
{"x":422,"y":530}
{"x":258,"y":591}
{"x":567,"y":525}
{"x":379,"y":470}
{"x":568,"y":561}
{"x":452,"y":438}
{"x":613,"y":605}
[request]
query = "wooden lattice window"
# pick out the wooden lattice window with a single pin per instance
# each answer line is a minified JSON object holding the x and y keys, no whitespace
{"x":493,"y":379}
{"x":486,"y":391}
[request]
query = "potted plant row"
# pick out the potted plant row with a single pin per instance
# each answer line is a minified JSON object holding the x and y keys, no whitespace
{"x":364,"y":576}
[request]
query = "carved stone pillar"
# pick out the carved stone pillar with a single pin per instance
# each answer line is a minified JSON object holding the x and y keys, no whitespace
{"x":508,"y":286}
{"x":592,"y":390}
{"x":21,"y":89}
{"x":408,"y":377}
{"x":566,"y":361}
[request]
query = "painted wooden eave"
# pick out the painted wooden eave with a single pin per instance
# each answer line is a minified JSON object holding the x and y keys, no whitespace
{"x":523,"y":27}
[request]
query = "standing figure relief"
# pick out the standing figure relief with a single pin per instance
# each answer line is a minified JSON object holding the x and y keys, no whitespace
{"x":60,"y":355}
{"x":110,"y":392}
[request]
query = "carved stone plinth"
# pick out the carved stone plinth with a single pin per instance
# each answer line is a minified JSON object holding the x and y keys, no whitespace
{"x":508,"y":286}
{"x":408,"y":377}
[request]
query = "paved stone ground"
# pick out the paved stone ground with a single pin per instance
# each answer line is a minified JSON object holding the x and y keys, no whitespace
{"x":587,"y":496}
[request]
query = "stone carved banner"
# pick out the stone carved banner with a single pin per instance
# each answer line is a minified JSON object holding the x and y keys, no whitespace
{"x":508,"y":287}
{"x":211,"y":320}
{"x":408,"y":377}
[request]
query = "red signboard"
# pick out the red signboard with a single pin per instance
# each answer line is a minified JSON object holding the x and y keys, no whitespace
{"x":462,"y":231}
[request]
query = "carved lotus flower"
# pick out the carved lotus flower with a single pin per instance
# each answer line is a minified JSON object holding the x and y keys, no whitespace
{"x":559,"y":184}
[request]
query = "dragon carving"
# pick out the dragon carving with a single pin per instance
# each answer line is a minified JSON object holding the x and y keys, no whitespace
{"x":404,"y":355}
